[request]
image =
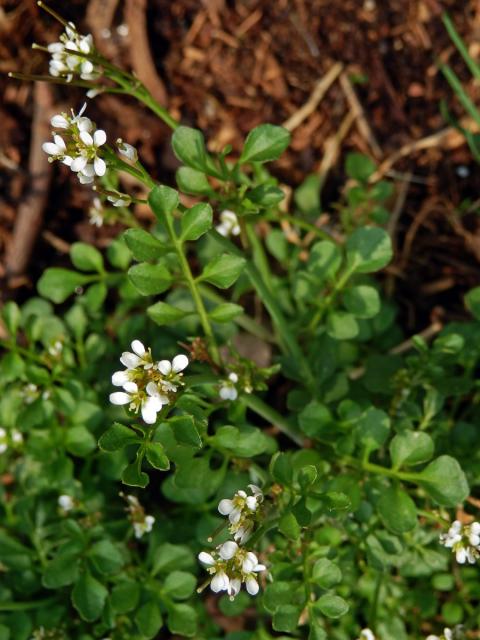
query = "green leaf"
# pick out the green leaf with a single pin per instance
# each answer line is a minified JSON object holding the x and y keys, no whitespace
{"x":281,"y":468}
{"x":410,"y":448}
{"x":133,"y":474}
{"x":277,"y":594}
{"x":397,"y":510}
{"x":244,"y":443}
{"x":85,"y":257}
{"x":182,"y":619}
{"x":57,"y":284}
{"x":196,"y":221}
{"x":185,"y":431}
{"x":289,"y":526}
{"x":373,"y":428}
{"x":359,"y":167}
{"x":163,"y":201}
{"x":307,"y":476}
{"x":117,"y":437}
{"x":225,"y":312}
{"x":179,"y":585}
{"x":125,"y":596}
{"x":157,"y":457}
{"x":79,"y":441}
{"x":119,"y":254}
{"x":164,"y":314}
{"x":286,"y":618}
{"x":313,"y":418}
{"x":88,"y":597}
{"x":363,"y":301}
{"x":168,"y":557}
{"x":143,"y":245}
{"x":95,"y":295}
{"x":342,"y":325}
{"x":189,"y":147}
{"x":149,"y":619}
{"x":106,"y":557}
{"x":223,"y":270}
{"x":149,"y":279}
{"x":445,"y":481}
{"x":472,"y":302}
{"x":12,"y":317}
{"x":326,"y":573}
{"x":331,"y":606}
{"x":60,"y":572}
{"x":193,"y":182}
{"x":265,"y":143}
{"x":324,"y":260}
{"x":369,"y":249}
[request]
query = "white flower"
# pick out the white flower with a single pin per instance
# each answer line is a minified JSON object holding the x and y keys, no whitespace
{"x":228,"y":224}
{"x":220,"y":582}
{"x":17,"y":437}
{"x":139,"y":358}
{"x":142,"y":527}
{"x":240,"y":511}
{"x":227,"y":550}
{"x":127,"y":150}
{"x":66,"y":503}
{"x":30,"y":393}
{"x":88,"y":152}
{"x":3,"y":440}
{"x":55,"y":349}
{"x":447,"y":635}
{"x":179,"y":363}
{"x":95,"y":213}
{"x":65,"y":63}
{"x":148,"y":405}
{"x":228,"y":390}
{"x":366,"y":634}
{"x":464,"y":541}
{"x":120,"y":200}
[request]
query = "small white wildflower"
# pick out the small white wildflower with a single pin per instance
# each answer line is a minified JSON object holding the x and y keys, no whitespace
{"x":66,"y":502}
{"x":230,"y":566}
{"x":141,"y":523}
{"x":64,"y":63}
{"x":464,"y":540}
{"x":171,"y":373}
{"x":3,"y":440}
{"x":17,"y":437}
{"x":95,"y":213}
{"x":127,"y":150}
{"x":366,"y":634}
{"x":30,"y":393}
{"x":240,"y":511}
{"x":140,"y":357}
{"x":228,"y":224}
{"x":228,"y":390}
{"x":140,"y":528}
{"x":138,"y":400}
{"x":447,"y":635}
{"x":55,"y":349}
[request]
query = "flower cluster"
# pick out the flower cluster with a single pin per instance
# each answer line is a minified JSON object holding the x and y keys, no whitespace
{"x":66,"y":503}
{"x":228,"y":389}
{"x":64,"y":63}
{"x":141,"y":522}
{"x":366,"y":634}
{"x":241,"y":511}
{"x":147,"y":385}
{"x":228,"y":224}
{"x":15,"y":439}
{"x":447,"y":635}
{"x":464,"y":541}
{"x":78,"y":146}
{"x":230,"y":565}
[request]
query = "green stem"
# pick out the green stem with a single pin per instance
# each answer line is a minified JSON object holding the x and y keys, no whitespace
{"x":145,"y":96}
{"x":383,"y":471}
{"x":23,"y":606}
{"x":264,"y":410}
{"x":195,"y":293}
{"x":342,"y":281}
{"x":244,"y":321}
{"x":375,"y":601}
{"x":303,"y":224}
{"x":259,"y":257}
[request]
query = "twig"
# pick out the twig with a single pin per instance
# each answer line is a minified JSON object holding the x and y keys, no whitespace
{"x":399,"y":204}
{"x":142,"y":61}
{"x":357,"y":110}
{"x":321,"y":88}
{"x":332,"y":146}
{"x":30,"y":210}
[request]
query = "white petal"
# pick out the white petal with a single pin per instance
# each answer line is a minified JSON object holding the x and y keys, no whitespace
{"x":179,"y":363}
{"x":100,"y":166}
{"x":251,"y":503}
{"x":260,"y":567}
{"x":165,"y":367}
{"x":235,"y":515}
{"x":88,"y":170}
{"x":149,"y":522}
{"x":51,"y":148}
{"x":220,"y":582}
{"x":86,"y":68}
{"x":86,"y":138}
{"x":206,"y":558}
{"x":99,"y":137}
{"x":130,"y":386}
{"x":234,"y":587}
{"x":461,"y":556}
{"x":130,"y":360}
{"x":78,"y":164}
{"x":3,"y":447}
{"x":60,"y":142}
{"x":59,"y":122}
{"x":225,"y":506}
{"x":252,"y":586}
{"x":227,"y":550}
{"x":138,"y":348}
{"x":84,"y":124}
{"x":241,"y":493}
{"x":119,"y":397}
{"x":150,"y":408}
{"x":119,"y":378}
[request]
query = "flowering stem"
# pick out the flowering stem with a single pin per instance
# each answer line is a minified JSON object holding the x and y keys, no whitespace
{"x":192,"y":285}
{"x":265,"y":411}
